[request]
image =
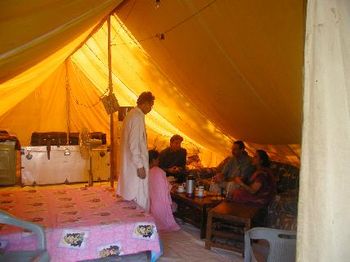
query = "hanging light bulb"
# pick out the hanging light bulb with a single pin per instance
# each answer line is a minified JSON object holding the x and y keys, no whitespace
{"x":160,"y":36}
{"x":157,"y":4}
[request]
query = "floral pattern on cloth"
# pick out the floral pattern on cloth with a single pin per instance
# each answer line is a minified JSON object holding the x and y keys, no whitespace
{"x":110,"y":250}
{"x":80,"y":223}
{"x":74,"y":239}
{"x":144,"y":231}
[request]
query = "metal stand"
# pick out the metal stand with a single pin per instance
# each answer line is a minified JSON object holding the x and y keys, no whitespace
{"x":91,"y":176}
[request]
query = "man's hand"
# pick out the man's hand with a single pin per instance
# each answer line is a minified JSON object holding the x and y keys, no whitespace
{"x":141,"y":173}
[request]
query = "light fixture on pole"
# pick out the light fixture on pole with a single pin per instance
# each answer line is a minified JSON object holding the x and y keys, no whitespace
{"x":157,"y":4}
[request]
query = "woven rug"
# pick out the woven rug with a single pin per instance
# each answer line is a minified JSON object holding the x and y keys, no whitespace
{"x":185,"y":245}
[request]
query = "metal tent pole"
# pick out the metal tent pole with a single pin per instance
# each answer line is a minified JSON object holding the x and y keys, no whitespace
{"x":110,"y":85}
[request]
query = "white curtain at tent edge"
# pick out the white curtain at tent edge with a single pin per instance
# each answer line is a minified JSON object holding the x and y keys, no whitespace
{"x":324,"y":209}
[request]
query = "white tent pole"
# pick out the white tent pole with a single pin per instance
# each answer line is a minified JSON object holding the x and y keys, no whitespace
{"x":110,"y":85}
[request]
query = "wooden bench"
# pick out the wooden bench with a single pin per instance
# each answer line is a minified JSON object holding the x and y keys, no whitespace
{"x":226,"y":225}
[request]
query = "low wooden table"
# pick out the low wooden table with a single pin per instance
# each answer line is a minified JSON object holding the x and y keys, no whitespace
{"x":228,"y":222}
{"x":194,"y":210}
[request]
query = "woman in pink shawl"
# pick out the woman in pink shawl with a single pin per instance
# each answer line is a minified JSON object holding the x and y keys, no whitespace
{"x":159,"y":194}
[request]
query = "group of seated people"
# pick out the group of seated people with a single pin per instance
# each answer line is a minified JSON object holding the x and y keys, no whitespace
{"x":245,"y":179}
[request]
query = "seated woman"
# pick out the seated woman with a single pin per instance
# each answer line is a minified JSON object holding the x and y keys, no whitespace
{"x":159,"y":193}
{"x":260,"y":187}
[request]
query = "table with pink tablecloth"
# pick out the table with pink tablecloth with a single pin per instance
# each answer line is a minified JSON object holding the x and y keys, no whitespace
{"x":80,"y":223}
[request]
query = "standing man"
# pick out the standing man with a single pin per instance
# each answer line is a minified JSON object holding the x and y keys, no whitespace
{"x":133,"y":179}
{"x":173,"y":159}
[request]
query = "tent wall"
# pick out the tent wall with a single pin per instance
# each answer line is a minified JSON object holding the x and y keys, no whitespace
{"x":19,"y":87}
{"x":239,"y":62}
{"x":32,"y":30}
{"x":324,"y":213}
{"x":135,"y":71}
{"x":212,"y":89}
{"x":45,"y":109}
{"x":231,"y":71}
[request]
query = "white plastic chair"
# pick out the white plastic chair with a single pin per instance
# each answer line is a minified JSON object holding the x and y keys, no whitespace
{"x":282,"y":244}
{"x":39,"y":255}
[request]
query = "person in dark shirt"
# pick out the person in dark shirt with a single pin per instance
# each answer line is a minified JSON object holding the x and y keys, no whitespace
{"x":173,"y":159}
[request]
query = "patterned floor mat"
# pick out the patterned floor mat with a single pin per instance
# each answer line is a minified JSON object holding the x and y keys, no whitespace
{"x":185,"y":245}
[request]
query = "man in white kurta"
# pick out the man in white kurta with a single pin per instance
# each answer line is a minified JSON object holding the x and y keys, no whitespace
{"x":133,"y":179}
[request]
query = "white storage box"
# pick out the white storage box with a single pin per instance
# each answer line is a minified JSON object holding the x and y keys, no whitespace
{"x":65,"y":165}
{"x":60,"y":168}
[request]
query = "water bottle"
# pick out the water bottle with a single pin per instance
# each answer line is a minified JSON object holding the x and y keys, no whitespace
{"x":190,"y":184}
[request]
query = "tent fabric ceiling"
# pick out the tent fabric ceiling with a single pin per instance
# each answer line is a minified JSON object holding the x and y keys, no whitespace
{"x":17,"y":88}
{"x":32,"y":30}
{"x":241,"y":59}
{"x":134,"y":73}
{"x":209,"y":87}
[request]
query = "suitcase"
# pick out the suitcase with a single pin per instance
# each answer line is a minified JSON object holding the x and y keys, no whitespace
{"x":48,"y":139}
{"x":74,"y":139}
{"x":7,"y":163}
{"x":60,"y":138}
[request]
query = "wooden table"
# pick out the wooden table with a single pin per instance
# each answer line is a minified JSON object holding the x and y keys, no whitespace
{"x":228,"y":222}
{"x":194,"y":210}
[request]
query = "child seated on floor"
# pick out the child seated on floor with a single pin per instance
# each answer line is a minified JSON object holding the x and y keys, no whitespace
{"x":159,"y":193}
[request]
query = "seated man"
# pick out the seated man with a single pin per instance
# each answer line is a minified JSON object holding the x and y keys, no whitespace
{"x":173,"y":159}
{"x":239,"y":165}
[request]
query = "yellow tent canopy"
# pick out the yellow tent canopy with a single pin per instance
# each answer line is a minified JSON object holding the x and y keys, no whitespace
{"x":220,"y":70}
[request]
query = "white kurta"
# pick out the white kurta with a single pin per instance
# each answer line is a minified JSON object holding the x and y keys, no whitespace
{"x":134,"y":155}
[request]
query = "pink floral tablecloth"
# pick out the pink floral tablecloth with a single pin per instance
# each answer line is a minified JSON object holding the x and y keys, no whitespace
{"x":80,"y":223}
